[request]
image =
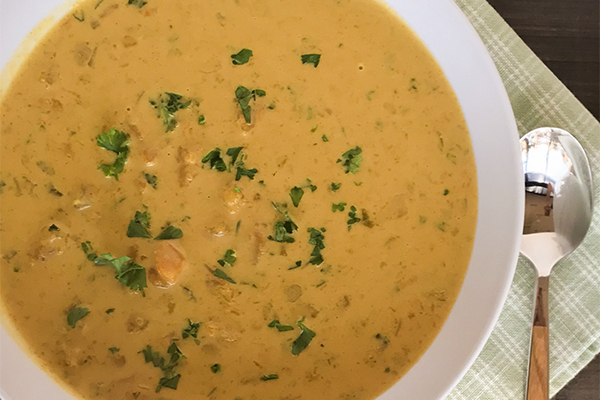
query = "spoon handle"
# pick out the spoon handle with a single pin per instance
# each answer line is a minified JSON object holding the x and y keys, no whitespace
{"x":537,"y":382}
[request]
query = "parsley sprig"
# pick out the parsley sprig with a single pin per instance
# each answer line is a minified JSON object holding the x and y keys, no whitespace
{"x":236,"y":161}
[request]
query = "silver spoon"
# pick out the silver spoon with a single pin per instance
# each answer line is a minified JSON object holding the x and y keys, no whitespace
{"x":558,"y":213}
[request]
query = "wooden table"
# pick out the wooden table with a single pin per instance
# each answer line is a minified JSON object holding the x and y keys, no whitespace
{"x":564,"y":34}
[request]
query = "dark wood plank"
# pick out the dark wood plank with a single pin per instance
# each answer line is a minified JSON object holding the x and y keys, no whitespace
{"x":565,"y":35}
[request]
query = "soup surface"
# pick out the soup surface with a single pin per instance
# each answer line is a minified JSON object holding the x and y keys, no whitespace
{"x":232,"y":200}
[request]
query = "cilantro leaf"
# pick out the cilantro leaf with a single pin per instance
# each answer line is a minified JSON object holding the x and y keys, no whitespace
{"x":313,"y":59}
{"x":242,"y":57}
{"x":170,"y":379}
{"x":269,"y":377}
{"x":242,"y":171}
{"x":302,"y":342}
{"x":228,"y":259}
{"x":297,"y":264}
{"x":117,"y":142}
{"x":76,"y":314}
{"x":139,"y":225}
{"x":296,"y":195}
{"x":191,"y":330}
{"x":166,"y":105}
{"x":338,"y":207}
{"x":282,"y":234}
{"x":219,"y":273}
{"x":152,"y":180}
{"x":215,"y":368}
{"x":170,"y":382}
{"x":137,"y":3}
{"x":335,"y":186}
{"x":214,"y":159}
{"x":114,"y":349}
{"x":351,"y":160}
{"x":128,"y":273}
{"x":170,"y":232}
{"x":88,"y":250}
{"x":316,"y":239}
{"x":201,"y":120}
{"x":243,"y":96}
{"x":234,"y":152}
{"x":281,"y":328}
{"x":353,"y":218}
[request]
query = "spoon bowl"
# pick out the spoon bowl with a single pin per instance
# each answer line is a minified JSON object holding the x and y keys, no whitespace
{"x":558,"y":213}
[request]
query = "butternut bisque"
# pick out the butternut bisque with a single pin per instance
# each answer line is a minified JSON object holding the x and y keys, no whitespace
{"x":232,"y":200}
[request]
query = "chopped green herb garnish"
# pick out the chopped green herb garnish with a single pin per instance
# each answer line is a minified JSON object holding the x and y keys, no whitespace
{"x":53,"y":228}
{"x":335,"y":186}
{"x":306,"y":336}
{"x":76,"y":314}
{"x":191,"y":331}
{"x":310,"y":185}
{"x":234,"y":153}
{"x":243,"y":96}
{"x":242,"y":171}
{"x":442,"y":226}
{"x":170,"y":379}
{"x":139,"y":225}
{"x":283,"y":230}
{"x":281,"y":328}
{"x":338,"y":207}
{"x":166,"y":105}
{"x":117,"y":142}
{"x":422,"y":219}
{"x":214,"y":159}
{"x":128,"y":273}
{"x":353,"y":218}
{"x":316,"y":239}
{"x":297,"y":264}
{"x":228,"y":259}
{"x":110,"y":311}
{"x":219,"y":273}
{"x":114,"y":350}
{"x":215,"y":368}
{"x":137,"y":3}
{"x":296,"y":195}
{"x":242,"y":57}
{"x":383,"y":339}
{"x":313,"y":59}
{"x":446,"y":191}
{"x":151,"y":179}
{"x":314,"y":128}
{"x":169,"y":233}
{"x":269,"y":377}
{"x":282,"y":233}
{"x":324,"y":138}
{"x":201,"y":120}
{"x":351,"y":160}
{"x":79,"y":15}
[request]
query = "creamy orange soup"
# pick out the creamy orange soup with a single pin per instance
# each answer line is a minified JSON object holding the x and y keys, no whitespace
{"x":227,"y":199}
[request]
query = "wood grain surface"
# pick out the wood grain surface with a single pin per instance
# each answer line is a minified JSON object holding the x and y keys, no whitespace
{"x":565,"y":35}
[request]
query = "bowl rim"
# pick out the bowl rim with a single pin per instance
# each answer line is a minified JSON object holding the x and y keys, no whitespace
{"x":469,"y":68}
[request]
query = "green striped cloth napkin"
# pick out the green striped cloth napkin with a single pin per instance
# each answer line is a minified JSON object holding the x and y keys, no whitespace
{"x":539,"y":99}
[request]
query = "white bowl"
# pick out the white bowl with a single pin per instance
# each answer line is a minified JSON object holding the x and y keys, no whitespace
{"x":454,"y":43}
